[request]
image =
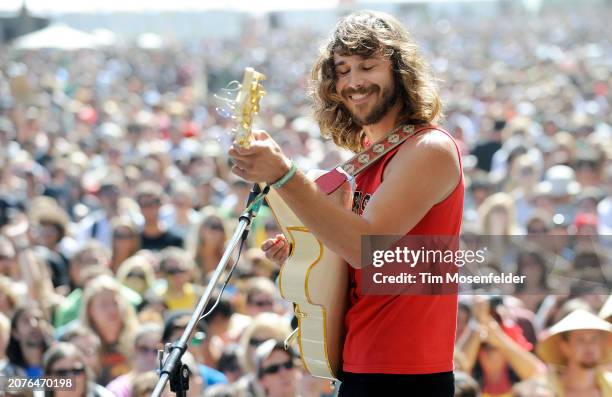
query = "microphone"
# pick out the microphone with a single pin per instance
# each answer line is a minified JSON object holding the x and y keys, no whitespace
{"x":255,"y":199}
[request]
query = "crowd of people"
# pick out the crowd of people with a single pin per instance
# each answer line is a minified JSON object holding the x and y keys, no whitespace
{"x":116,"y":204}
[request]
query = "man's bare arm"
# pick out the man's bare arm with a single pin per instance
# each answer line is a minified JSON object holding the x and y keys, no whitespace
{"x":422,"y":173}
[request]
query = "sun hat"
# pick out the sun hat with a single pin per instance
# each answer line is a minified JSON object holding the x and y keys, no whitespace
{"x":548,"y":348}
{"x":559,"y":181}
{"x":606,"y":310}
{"x":44,"y":209}
{"x":264,"y":351}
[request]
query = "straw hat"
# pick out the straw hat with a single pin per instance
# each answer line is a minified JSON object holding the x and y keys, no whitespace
{"x":548,"y":348}
{"x":559,"y":181}
{"x":45,"y":209}
{"x":606,"y":310}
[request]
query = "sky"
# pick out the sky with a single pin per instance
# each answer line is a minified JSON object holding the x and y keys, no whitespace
{"x":61,"y":6}
{"x":94,"y":6}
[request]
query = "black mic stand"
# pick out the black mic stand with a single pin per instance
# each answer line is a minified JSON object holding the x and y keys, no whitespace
{"x":172,"y":368}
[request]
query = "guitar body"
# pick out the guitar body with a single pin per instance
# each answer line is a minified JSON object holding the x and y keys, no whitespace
{"x":316,"y":280}
{"x":313,"y":277}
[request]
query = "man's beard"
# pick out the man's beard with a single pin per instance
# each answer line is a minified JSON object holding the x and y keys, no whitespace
{"x":380,"y":109}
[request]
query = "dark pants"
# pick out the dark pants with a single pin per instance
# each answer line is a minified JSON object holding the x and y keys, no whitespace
{"x":389,"y":385}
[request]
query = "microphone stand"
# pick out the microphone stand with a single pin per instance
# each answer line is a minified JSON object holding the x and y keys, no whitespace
{"x":172,"y":368}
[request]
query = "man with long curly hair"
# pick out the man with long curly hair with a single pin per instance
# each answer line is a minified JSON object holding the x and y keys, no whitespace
{"x":369,"y":80}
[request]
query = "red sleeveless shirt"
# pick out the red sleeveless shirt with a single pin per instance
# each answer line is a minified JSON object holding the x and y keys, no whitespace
{"x":402,"y":334}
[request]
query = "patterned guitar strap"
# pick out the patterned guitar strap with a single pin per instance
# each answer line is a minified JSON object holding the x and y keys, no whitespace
{"x":332,"y":180}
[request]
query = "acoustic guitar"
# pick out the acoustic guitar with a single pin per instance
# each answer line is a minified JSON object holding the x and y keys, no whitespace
{"x":313,"y":278}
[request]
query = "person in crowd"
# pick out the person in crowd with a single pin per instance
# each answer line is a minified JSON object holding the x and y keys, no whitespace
{"x":125,"y":241}
{"x":91,"y":260}
{"x":49,"y":225}
{"x":222,"y":391}
{"x":206,"y":242}
{"x":229,"y":363}
{"x":97,"y":225}
{"x":66,"y":361}
{"x":144,"y":384}
{"x":89,"y":343}
{"x":113,"y":319}
{"x":465,"y":385}
{"x":136,"y":273}
{"x":496,"y":351}
{"x":155,"y":235}
{"x":532,"y":265}
{"x":561,"y":188}
{"x":180,"y":215}
{"x":264,"y":326}
{"x":8,"y":297}
{"x":31,"y":335}
{"x":6,"y":368}
{"x":576,"y":348}
{"x":606,"y":310}
{"x":260,"y":265}
{"x":8,"y":259}
{"x":464,"y":314}
{"x":179,"y":292}
{"x":147,"y":342}
{"x":224,"y":321}
{"x":260,"y":296}
{"x":498,"y":220}
{"x":199,"y":346}
{"x":276,"y":369}
{"x":525,"y":176}
{"x":532,"y":388}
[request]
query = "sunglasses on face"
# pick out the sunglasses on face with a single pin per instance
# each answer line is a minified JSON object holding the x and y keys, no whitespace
{"x":256,"y":342}
{"x":586,"y":164}
{"x":109,"y":191}
{"x":273,"y":369}
{"x":150,"y":203}
{"x":67,"y":372}
{"x":262,"y":303}
{"x":176,"y":270}
{"x":140,"y":276}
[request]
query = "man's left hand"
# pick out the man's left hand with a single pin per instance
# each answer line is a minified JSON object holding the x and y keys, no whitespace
{"x":263,"y":161}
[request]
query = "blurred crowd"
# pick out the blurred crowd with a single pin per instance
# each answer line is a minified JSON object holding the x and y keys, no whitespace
{"x":116,"y":203}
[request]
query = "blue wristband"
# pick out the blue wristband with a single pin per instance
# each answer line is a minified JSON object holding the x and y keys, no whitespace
{"x":285,"y":178}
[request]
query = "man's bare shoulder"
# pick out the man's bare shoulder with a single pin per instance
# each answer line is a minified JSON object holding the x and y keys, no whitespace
{"x":424,"y":172}
{"x":430,"y":140}
{"x":434,"y":155}
{"x":431,"y":146}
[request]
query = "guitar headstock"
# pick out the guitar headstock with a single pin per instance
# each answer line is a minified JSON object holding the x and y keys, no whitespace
{"x":246,"y":105}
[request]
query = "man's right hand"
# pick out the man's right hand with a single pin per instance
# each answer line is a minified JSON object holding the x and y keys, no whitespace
{"x":276,"y":249}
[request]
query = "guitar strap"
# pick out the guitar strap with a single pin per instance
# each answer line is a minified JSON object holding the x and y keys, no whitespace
{"x":332,"y":180}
